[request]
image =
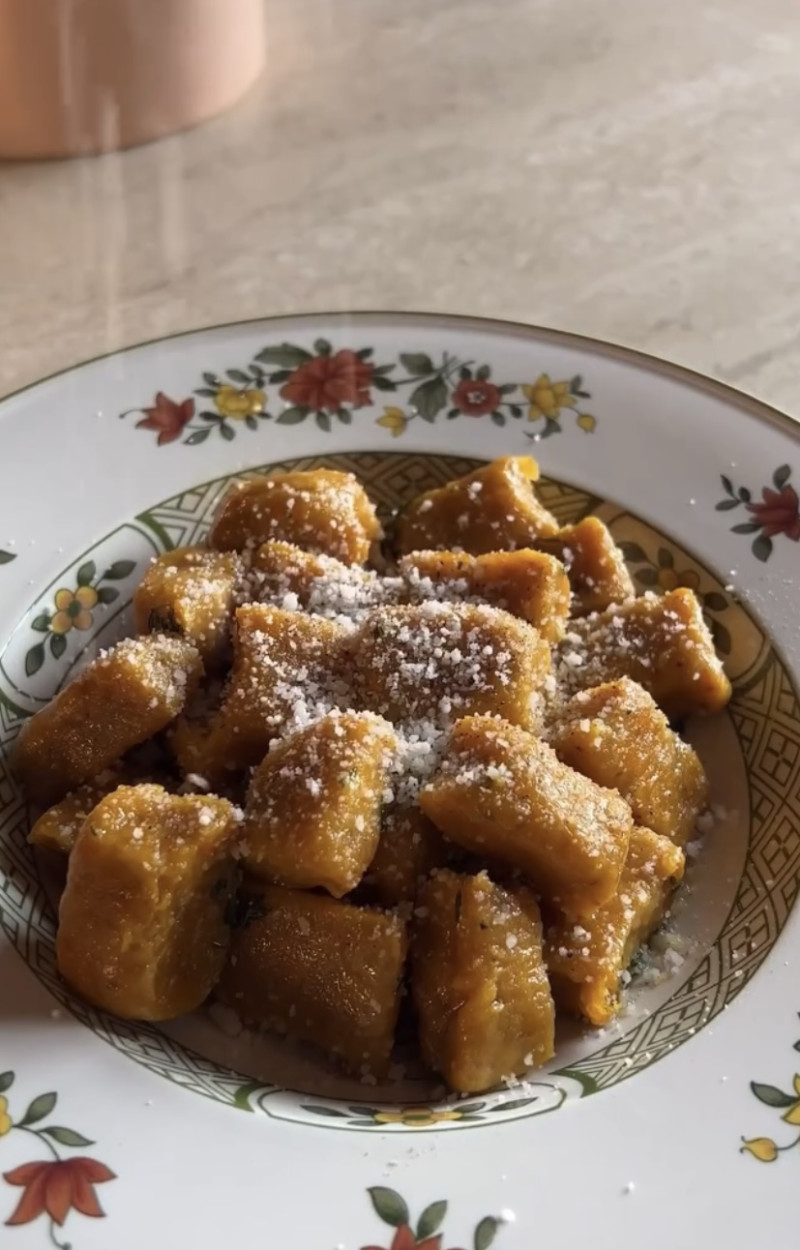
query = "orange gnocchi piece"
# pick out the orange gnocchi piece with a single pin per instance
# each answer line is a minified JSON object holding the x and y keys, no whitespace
{"x":479,"y":982}
{"x":504,"y":794}
{"x":493,"y":509}
{"x":320,"y":510}
{"x":662,"y":643}
{"x":617,"y":735}
{"x":121,"y":699}
{"x":586,"y":961}
{"x":528,"y":584}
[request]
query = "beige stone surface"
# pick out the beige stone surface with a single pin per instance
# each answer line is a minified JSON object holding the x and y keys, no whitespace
{"x":629,"y":170}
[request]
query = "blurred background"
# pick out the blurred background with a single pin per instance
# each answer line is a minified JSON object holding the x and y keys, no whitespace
{"x":629,"y":170}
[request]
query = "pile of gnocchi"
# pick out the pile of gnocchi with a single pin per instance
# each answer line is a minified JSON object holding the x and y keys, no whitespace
{"x":338,"y":774}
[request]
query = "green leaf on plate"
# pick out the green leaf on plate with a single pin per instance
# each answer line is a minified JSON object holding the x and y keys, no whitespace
{"x":389,"y":1206}
{"x":498,"y":418}
{"x":486,"y":1232}
{"x":107,"y":594}
{"x":781,"y":476}
{"x":34,"y":659}
{"x":364,"y":353}
{"x":465,"y":373}
{"x":514,"y":1104}
{"x":429,"y":398}
{"x":238,"y":375}
{"x":280,"y":375}
{"x":322,"y":347}
{"x":633,"y":552}
{"x":483,"y":372}
{"x":727,"y":483}
{"x":41,"y":623}
{"x":241,"y":1096}
{"x":329,"y":1111}
{"x":762,"y":547}
{"x":746,"y":527}
{"x":587,"y":1083}
{"x":726,"y":504}
{"x":86,"y":573}
{"x":205,"y":392}
{"x":323,"y":421}
{"x":211,"y":379}
{"x":292,"y":416}
{"x":419,"y":364}
{"x":431,"y":1219}
{"x":285,"y":356}
{"x":6,"y":1081}
{"x":58,"y":645}
{"x":66,"y":1136}
{"x":119,"y":570}
{"x":227,"y":433}
{"x":715,"y":602}
{"x":7,"y":556}
{"x":345,"y":416}
{"x":197,"y":436}
{"x":507,"y":388}
{"x":772,"y":1096}
{"x":382,"y":383}
{"x":251,"y":422}
{"x":38,"y":1110}
{"x":515,"y":410}
{"x":744,"y":494}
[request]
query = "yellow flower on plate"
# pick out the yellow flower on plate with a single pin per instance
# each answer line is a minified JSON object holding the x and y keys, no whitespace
{"x":394,"y":420}
{"x":416,"y":1117}
{"x":586,"y":422}
{"x":237,"y":403}
{"x":546,"y":398}
{"x":792,"y":1116}
{"x":670,"y":579}
{"x":761,"y":1148}
{"x":73,"y":609}
{"x":6,"y":1123}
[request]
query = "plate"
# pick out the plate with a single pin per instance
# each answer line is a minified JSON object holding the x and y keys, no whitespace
{"x":677,"y":1126}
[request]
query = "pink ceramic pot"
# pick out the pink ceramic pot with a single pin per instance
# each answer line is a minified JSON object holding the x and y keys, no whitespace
{"x":82,"y":76}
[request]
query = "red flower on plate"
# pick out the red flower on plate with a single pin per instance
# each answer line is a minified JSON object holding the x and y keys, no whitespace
{"x":57,"y":1187}
{"x":779,"y":513}
{"x":328,"y":382}
{"x":476,"y":397}
{"x":168,"y":417}
{"x":404,"y":1239}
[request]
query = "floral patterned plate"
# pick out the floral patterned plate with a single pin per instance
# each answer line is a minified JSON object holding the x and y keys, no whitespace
{"x":655,"y":1132}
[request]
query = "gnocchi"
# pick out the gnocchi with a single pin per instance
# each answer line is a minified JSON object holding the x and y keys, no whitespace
{"x":457,"y":774}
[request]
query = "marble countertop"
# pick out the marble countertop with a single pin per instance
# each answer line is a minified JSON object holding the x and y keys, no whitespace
{"x":626,"y":170}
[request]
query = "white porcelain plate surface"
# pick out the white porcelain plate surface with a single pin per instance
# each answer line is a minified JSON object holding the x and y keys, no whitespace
{"x":679,"y":1126}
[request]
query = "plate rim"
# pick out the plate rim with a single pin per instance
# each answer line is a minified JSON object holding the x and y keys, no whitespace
{"x":695,"y":379}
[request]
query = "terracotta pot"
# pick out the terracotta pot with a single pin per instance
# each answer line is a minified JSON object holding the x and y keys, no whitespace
{"x":82,"y":76}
